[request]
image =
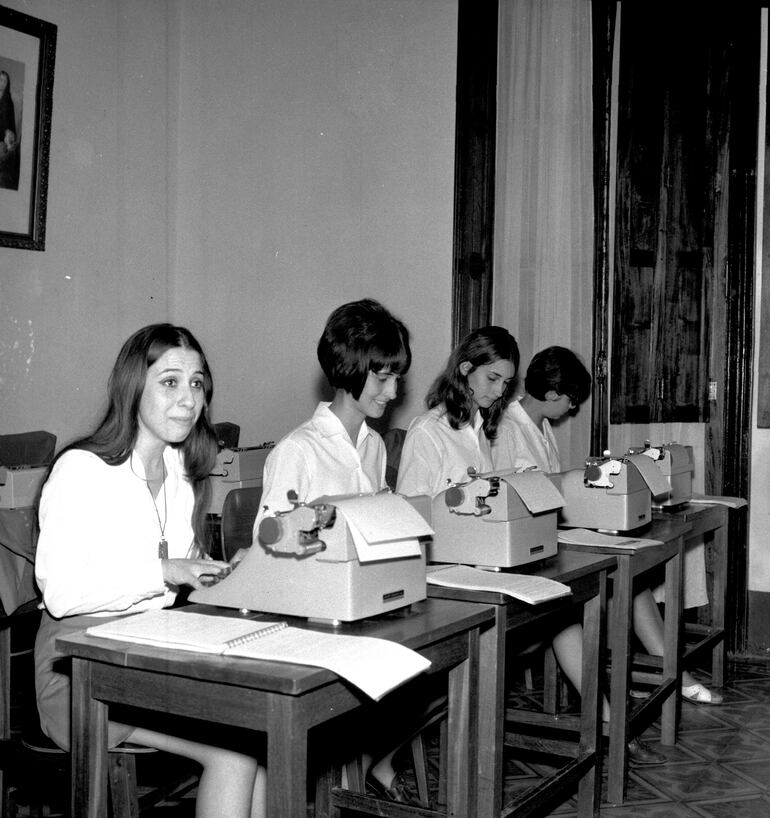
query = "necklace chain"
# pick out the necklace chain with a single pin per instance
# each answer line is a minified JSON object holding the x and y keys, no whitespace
{"x":162,"y":544}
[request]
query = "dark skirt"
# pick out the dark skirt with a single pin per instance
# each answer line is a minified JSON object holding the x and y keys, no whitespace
{"x":52,"y":679}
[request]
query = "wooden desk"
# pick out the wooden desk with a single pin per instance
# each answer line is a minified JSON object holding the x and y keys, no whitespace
{"x":708,"y":520}
{"x":284,"y":701}
{"x":586,"y":574}
{"x":625,"y":723}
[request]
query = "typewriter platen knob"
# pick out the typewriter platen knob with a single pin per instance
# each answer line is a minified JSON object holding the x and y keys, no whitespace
{"x":592,"y":473}
{"x":454,"y":496}
{"x":270,"y":530}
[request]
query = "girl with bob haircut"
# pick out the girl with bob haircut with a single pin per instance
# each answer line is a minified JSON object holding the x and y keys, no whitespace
{"x":359,"y":338}
{"x":558,"y":369}
{"x":363,"y":351}
{"x":555,"y":385}
{"x":465,"y":404}
{"x":121,"y":519}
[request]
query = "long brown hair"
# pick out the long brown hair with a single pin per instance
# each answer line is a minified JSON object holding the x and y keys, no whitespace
{"x":115,"y":436}
{"x":480,"y":347}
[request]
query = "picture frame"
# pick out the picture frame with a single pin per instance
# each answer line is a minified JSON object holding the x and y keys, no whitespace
{"x":27,"y":56}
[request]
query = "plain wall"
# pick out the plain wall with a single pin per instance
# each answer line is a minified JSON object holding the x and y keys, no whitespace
{"x":240,"y":168}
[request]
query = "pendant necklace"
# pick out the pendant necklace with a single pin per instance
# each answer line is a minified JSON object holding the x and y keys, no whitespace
{"x":162,"y":544}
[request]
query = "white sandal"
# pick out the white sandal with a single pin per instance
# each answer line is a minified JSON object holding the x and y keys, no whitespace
{"x":700,"y":694}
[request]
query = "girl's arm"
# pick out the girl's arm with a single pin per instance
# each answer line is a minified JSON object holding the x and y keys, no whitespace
{"x":286,"y":469}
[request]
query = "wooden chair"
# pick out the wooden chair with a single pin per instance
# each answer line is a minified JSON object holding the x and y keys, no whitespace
{"x":239,"y":511}
{"x":228,"y":434}
{"x":24,"y":751}
{"x":394,"y":443}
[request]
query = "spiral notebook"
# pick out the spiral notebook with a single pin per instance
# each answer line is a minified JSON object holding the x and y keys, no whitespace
{"x":375,"y":666}
{"x":191,"y":631}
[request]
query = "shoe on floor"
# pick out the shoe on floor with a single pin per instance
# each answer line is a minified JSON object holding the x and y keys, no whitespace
{"x":36,"y":740}
{"x":700,"y":694}
{"x":397,"y":791}
{"x":636,"y":693}
{"x":642,"y":754}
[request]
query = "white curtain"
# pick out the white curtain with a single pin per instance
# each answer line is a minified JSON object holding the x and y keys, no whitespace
{"x":543,"y":262}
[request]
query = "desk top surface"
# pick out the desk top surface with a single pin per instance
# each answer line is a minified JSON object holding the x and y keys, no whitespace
{"x":694,"y":512}
{"x":666,"y":531}
{"x":423,"y":625}
{"x":568,"y":567}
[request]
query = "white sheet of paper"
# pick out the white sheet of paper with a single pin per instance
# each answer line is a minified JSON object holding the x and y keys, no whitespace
{"x":383,"y":526}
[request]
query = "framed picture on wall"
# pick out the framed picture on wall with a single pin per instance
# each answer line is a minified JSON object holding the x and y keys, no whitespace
{"x":27,"y":50}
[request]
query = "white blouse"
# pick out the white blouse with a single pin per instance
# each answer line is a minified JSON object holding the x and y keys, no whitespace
{"x":520,"y":444}
{"x":435,"y":455}
{"x":99,"y":532}
{"x":318,"y":458}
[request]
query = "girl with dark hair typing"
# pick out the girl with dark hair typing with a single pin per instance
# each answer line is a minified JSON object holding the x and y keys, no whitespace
{"x":465,"y":404}
{"x":363,"y":351}
{"x":122,"y":529}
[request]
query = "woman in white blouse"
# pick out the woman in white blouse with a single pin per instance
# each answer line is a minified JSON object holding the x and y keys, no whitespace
{"x":465,"y":405}
{"x":122,"y":528}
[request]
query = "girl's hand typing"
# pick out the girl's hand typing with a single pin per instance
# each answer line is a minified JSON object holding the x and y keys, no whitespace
{"x":194,"y":572}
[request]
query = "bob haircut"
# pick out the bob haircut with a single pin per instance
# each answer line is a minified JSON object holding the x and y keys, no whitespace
{"x":558,"y":369}
{"x":480,"y":347}
{"x":115,"y":436}
{"x":362,"y":337}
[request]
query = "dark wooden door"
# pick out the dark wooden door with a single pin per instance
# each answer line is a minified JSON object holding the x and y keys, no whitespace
{"x":682,"y":285}
{"x":671,"y":138}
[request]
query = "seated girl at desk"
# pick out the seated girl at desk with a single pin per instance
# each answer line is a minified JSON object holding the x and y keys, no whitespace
{"x":122,"y":527}
{"x":363,"y":351}
{"x":556,"y":383}
{"x":467,"y":404}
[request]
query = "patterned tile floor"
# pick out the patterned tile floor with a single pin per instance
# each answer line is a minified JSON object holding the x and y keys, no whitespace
{"x":720,"y":767}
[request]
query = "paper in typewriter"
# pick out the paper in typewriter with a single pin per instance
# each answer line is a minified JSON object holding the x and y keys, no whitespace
{"x":651,"y":474}
{"x":525,"y":587}
{"x":383,"y":526}
{"x":536,"y":491}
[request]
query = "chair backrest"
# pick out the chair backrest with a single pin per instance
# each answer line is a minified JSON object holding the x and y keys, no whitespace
{"x":394,"y":442}
{"x":239,"y":511}
{"x":27,"y":449}
{"x":228,"y":434}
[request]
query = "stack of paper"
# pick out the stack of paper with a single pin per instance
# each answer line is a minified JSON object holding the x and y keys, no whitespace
{"x":525,"y":587}
{"x":585,"y":536}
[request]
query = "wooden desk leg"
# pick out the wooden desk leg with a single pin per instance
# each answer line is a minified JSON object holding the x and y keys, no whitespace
{"x":620,"y":675}
{"x":594,"y":611}
{"x":89,"y":746}
{"x":463,"y":727}
{"x":5,"y":686}
{"x":491,"y":716}
{"x":286,"y":759}
{"x":5,"y":702}
{"x":672,"y":645}
{"x":720,"y":546}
